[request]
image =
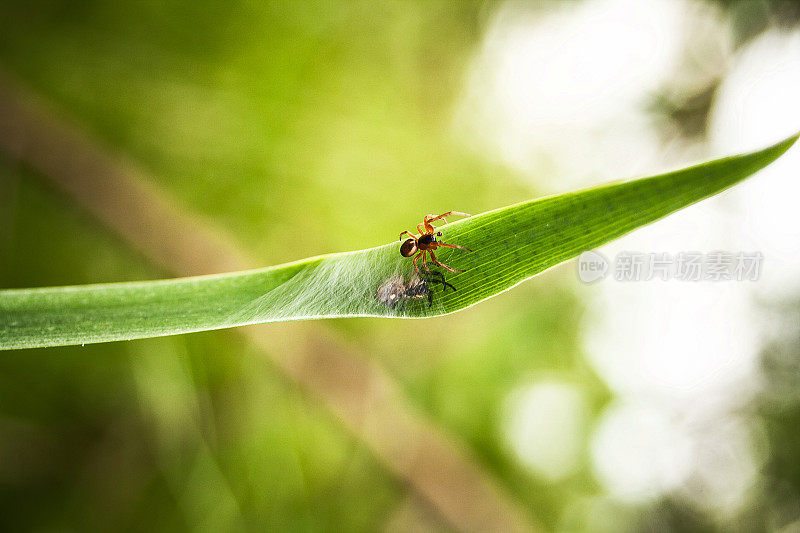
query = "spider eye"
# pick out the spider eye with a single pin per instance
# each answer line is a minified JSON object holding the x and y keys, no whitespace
{"x":439,"y":234}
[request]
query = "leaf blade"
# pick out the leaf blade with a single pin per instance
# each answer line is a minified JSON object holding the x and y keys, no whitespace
{"x":509,"y":245}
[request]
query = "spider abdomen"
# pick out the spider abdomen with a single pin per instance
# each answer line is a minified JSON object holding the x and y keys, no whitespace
{"x":408,"y":248}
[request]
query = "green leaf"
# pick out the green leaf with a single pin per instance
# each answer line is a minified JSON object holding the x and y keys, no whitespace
{"x":509,"y":245}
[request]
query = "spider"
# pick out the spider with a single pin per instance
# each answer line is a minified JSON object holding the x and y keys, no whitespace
{"x":426,"y":243}
{"x":395,"y":290}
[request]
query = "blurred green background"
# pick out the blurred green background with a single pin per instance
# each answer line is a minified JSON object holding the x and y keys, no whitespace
{"x":299,"y":129}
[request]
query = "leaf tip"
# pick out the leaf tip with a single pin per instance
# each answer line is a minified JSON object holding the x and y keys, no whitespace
{"x":787,"y":143}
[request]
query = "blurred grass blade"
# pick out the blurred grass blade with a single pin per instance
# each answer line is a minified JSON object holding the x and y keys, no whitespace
{"x":509,"y":245}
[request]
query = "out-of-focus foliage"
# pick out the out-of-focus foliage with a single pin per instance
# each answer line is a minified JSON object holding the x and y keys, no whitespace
{"x":302,"y":129}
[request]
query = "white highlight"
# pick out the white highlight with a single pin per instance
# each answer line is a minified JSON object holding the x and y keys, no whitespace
{"x":560,"y":92}
{"x":640,"y":453}
{"x":673,"y":340}
{"x":544,"y":426}
{"x":758,"y":104}
{"x":571,"y":80}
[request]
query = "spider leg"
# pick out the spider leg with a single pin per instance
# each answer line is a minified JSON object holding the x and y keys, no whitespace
{"x":429,"y":228}
{"x":457,"y":213}
{"x":433,"y":258}
{"x":431,"y":218}
{"x":422,"y":229}
{"x":414,"y":262}
{"x":446,"y":245}
{"x":424,"y":259}
{"x":409,"y":233}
